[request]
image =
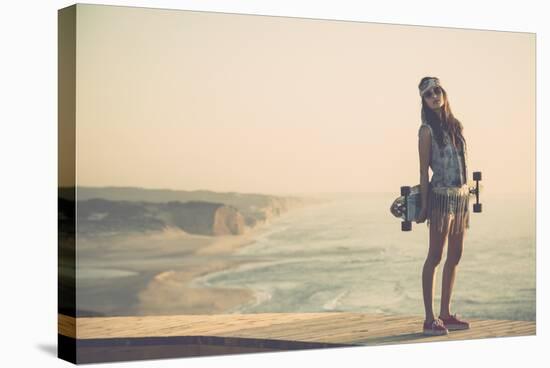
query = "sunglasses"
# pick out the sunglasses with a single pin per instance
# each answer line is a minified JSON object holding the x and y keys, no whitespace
{"x":436,"y":91}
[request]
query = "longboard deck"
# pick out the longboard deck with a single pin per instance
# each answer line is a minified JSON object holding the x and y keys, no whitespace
{"x":409,"y":211}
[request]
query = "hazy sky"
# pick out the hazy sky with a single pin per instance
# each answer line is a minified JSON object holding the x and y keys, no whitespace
{"x":224,"y":102}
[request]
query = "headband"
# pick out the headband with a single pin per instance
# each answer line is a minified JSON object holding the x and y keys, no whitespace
{"x":427,"y":84}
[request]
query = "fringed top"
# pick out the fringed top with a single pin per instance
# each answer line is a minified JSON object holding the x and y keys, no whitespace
{"x":449,"y":193}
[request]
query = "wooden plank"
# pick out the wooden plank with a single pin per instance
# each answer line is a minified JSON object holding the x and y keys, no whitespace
{"x":342,"y":328}
{"x":274,"y":330}
{"x":233,"y":329}
{"x":312,"y":334}
{"x":501,"y":331}
{"x":494,"y":328}
{"x":282,"y":324}
{"x":182,"y":325}
{"x":66,"y":325}
{"x":410,"y":328}
{"x":317,"y":332}
{"x":335,"y":328}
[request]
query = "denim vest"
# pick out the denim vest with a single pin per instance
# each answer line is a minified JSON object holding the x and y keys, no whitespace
{"x":449,"y":164}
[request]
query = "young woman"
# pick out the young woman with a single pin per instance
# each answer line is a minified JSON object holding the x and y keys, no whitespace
{"x":444,"y":200}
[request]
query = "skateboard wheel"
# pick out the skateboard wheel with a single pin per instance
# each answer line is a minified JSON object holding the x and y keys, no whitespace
{"x":406,"y":226}
{"x":477,"y":207}
{"x":477,"y":175}
{"x":405,"y":191}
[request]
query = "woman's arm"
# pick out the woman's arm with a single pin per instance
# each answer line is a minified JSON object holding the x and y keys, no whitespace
{"x":424,"y":150}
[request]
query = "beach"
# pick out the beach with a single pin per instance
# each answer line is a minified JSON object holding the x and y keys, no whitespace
{"x":150,"y":273}
{"x":347,"y":255}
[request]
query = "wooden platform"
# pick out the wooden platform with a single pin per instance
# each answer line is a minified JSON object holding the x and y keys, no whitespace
{"x":128,"y":338}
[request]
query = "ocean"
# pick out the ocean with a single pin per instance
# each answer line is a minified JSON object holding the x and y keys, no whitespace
{"x":350,"y":255}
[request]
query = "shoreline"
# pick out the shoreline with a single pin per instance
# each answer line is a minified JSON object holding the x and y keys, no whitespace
{"x":198,"y":272}
{"x":173,"y":291}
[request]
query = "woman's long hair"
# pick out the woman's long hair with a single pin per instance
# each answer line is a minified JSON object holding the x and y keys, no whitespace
{"x":448,"y":122}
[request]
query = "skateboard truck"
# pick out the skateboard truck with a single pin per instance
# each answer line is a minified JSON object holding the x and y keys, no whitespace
{"x":406,"y":225}
{"x":477,"y":178}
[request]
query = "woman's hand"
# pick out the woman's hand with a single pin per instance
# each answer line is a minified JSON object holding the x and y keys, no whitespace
{"x":422,"y":215}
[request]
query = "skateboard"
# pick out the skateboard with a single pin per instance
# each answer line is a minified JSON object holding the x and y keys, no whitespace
{"x":408,"y":205}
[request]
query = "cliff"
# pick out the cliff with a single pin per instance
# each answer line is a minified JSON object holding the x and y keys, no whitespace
{"x":120,"y":210}
{"x":100,"y":217}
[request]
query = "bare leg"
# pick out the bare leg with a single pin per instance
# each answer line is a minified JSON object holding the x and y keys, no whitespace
{"x":437,"y":243}
{"x":454,"y":253}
